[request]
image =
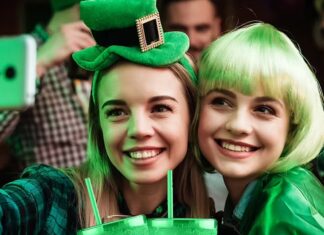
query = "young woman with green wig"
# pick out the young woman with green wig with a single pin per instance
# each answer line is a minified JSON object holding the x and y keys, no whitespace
{"x":259,"y":124}
{"x":140,"y":112}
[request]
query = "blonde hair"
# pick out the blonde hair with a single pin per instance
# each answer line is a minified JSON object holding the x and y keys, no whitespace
{"x":189,"y":187}
{"x":259,"y":54}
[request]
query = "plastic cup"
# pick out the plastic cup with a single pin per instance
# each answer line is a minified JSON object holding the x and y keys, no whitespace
{"x":182,"y":226}
{"x":134,"y":225}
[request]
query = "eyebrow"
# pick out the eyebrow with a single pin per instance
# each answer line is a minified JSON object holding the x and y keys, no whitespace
{"x":225,"y":92}
{"x":113,"y":102}
{"x":162,"y":97}
{"x":202,"y":25}
{"x":151,"y":100}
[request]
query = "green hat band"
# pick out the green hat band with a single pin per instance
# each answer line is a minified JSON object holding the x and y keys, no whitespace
{"x":147,"y":34}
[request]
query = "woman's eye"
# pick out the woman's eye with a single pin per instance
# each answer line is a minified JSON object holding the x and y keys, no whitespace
{"x":161,"y":108}
{"x":114,"y":113}
{"x":265,"y":109}
{"x":220,"y":101}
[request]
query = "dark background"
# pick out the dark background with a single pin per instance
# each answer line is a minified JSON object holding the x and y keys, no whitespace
{"x":295,"y":17}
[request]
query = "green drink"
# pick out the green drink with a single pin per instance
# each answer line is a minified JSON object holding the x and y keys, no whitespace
{"x":182,"y":226}
{"x":135,"y":225}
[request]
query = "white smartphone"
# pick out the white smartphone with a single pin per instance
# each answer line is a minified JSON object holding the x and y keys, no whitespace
{"x":17,"y":72}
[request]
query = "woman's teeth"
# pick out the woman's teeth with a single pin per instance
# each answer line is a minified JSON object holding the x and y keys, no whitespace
{"x":144,"y":154}
{"x":235,"y":148}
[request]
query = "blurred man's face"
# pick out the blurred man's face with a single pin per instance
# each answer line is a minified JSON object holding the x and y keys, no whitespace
{"x":198,"y":19}
{"x":318,"y":31}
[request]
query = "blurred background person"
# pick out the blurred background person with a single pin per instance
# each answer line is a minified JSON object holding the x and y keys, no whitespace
{"x":200,"y":19}
{"x":52,"y":131}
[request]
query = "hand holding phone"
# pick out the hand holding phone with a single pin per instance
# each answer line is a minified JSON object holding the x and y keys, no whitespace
{"x":17,"y":72}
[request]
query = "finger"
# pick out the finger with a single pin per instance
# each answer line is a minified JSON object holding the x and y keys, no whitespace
{"x":80,"y":25}
{"x":84,"y":44}
{"x":85,"y":38}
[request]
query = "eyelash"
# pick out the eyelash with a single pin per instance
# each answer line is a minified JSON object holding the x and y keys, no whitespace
{"x":166,"y":108}
{"x":266,"y":110}
{"x":220,"y":101}
{"x":113,"y":112}
{"x":120,"y":112}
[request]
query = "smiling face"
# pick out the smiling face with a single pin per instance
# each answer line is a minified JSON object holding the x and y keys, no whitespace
{"x":242,"y":135}
{"x":144,"y":119}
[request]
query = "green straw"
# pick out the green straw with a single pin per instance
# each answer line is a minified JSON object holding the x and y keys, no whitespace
{"x":170,"y":195}
{"x":93,"y":201}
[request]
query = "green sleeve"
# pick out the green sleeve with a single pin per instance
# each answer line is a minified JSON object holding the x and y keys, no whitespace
{"x":291,"y":208}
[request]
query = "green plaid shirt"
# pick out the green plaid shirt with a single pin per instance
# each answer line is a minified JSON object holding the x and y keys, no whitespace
{"x":43,"y":201}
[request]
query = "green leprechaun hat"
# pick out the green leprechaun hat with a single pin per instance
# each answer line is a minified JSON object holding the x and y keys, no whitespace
{"x":129,"y":29}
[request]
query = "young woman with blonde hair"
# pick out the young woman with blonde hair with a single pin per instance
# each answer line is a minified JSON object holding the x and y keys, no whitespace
{"x":260,"y":123}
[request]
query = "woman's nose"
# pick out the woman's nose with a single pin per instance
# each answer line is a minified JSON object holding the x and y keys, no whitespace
{"x":140,"y":126}
{"x":239,"y":123}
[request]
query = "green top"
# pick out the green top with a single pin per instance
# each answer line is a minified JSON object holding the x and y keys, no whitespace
{"x":285,"y":203}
